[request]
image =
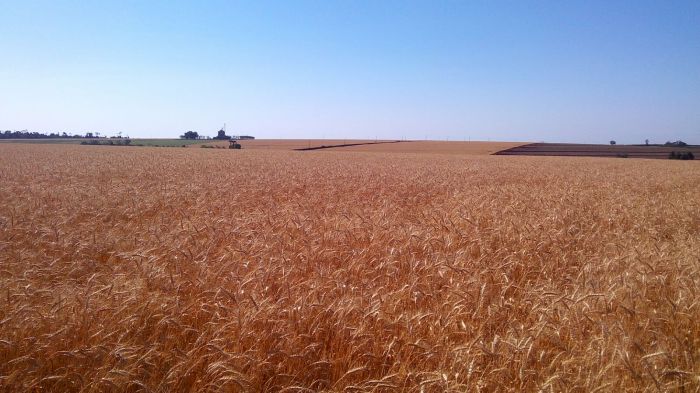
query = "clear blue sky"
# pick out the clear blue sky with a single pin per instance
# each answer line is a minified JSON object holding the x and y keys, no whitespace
{"x":587,"y":71}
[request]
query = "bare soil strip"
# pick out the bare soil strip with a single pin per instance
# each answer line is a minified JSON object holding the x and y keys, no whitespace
{"x":584,"y":150}
{"x":345,"y":145}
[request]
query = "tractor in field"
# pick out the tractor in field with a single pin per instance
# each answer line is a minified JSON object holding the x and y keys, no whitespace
{"x":233,"y":144}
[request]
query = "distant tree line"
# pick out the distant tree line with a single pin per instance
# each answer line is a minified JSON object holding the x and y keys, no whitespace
{"x":24,"y":134}
{"x":190,"y":135}
{"x":676,"y":143}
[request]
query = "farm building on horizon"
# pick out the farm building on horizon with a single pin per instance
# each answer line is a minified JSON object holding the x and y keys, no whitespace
{"x":221,"y":134}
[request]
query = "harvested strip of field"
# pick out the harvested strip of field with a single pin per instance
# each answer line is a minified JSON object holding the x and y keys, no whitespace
{"x":200,"y":270}
{"x":296,"y":144}
{"x":437,"y":147}
{"x":344,"y":145}
{"x":568,"y":149}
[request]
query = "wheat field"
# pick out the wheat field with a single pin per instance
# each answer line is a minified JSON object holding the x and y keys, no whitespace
{"x":146,"y":269}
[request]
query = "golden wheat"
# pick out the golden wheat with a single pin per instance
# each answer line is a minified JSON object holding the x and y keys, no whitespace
{"x":145,"y":269}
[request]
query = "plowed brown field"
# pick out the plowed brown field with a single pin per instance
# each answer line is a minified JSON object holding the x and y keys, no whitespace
{"x":147,"y":269}
{"x":582,"y":150}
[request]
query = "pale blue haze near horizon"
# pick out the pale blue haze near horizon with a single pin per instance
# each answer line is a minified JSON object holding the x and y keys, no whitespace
{"x":557,"y":71}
